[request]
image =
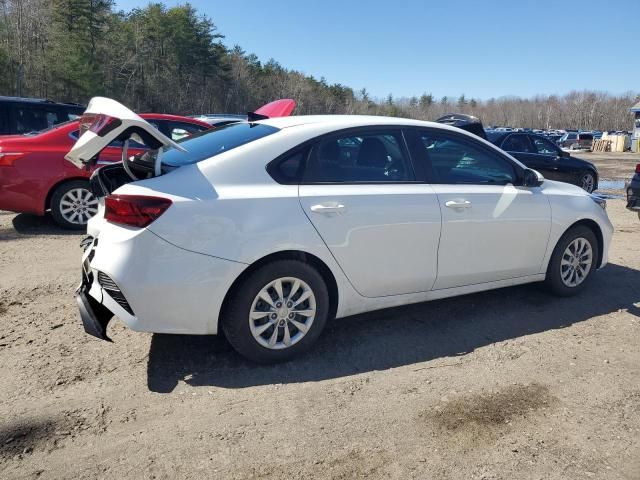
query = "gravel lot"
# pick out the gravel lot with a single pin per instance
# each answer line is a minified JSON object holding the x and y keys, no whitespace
{"x":500,"y":385}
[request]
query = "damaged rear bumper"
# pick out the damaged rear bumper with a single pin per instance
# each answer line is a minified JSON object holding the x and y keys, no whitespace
{"x":95,"y":316}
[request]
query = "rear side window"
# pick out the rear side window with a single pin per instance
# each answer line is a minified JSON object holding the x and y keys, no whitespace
{"x":517,"y":143}
{"x":375,"y":156}
{"x":210,"y":143}
{"x":289,"y":169}
{"x":29,"y":119}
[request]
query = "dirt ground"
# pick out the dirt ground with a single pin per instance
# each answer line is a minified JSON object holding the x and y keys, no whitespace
{"x":612,"y":166}
{"x":509,"y":384}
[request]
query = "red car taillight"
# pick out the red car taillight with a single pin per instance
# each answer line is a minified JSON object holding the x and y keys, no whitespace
{"x":134,"y":210}
{"x":638,"y":168}
{"x":7,"y":159}
{"x":99,"y":124}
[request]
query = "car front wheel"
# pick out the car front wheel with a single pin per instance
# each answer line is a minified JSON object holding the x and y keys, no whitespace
{"x":277,"y":312}
{"x":73,"y":204}
{"x":588,"y":182}
{"x":573,"y":261}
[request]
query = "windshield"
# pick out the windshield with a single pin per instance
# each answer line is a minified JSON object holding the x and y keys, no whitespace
{"x":210,"y":143}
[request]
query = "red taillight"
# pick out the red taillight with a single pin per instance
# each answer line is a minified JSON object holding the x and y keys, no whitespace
{"x":99,"y":124}
{"x":7,"y":159}
{"x":638,"y":168}
{"x":134,"y":210}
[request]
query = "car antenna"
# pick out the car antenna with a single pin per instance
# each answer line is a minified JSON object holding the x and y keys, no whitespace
{"x":254,"y":117}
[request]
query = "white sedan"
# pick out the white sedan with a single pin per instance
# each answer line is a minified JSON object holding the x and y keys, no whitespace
{"x":269,"y":227}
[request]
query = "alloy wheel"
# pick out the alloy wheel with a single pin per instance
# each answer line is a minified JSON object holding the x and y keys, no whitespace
{"x":282,"y":313}
{"x":78,"y":205}
{"x":576,"y":262}
{"x":588,"y":182}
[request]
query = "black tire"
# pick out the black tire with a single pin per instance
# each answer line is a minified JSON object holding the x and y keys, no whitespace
{"x":56,"y":206}
{"x":235,"y":321}
{"x":553,"y":280}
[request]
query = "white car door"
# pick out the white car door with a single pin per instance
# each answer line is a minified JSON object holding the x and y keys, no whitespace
{"x":491,"y":229}
{"x":380,"y":224}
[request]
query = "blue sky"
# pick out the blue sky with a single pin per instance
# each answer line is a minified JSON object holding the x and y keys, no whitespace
{"x":483,"y":49}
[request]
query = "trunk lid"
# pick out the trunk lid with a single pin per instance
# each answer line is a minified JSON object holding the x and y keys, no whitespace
{"x":106,"y":120}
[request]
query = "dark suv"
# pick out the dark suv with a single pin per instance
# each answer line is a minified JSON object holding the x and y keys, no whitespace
{"x":23,"y":115}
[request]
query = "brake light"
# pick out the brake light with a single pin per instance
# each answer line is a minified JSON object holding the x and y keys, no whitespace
{"x":134,"y":210}
{"x":7,"y":159}
{"x":98,"y":123}
{"x":638,"y":168}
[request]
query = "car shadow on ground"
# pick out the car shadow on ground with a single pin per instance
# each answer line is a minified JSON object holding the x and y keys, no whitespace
{"x":27,"y":225}
{"x":395,"y":337}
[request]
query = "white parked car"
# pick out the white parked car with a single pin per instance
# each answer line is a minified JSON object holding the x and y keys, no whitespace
{"x":266,"y":229}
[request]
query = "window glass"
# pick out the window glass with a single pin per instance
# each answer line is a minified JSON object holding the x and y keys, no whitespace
{"x":180,"y":130}
{"x":289,"y":169}
{"x":572,"y":136}
{"x":544,"y":146}
{"x":459,"y":161}
{"x":517,"y":143}
{"x":30,"y":119}
{"x":210,"y":143}
{"x":363,"y":157}
{"x":4,"y":121}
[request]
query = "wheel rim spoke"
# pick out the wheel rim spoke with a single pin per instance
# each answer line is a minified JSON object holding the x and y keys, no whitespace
{"x":300,"y":326}
{"x":264,"y":296}
{"x":277,"y":285}
{"x":305,"y":295}
{"x":263,"y":328}
{"x":294,"y":289}
{"x":274,"y":337}
{"x":286,"y":339}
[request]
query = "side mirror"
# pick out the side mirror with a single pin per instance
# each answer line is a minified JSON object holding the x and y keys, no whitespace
{"x":532,"y":178}
{"x":564,"y":154}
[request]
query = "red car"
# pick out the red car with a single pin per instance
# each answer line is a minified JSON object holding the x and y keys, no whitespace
{"x":35,"y":177}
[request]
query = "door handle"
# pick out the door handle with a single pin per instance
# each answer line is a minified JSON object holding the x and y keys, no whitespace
{"x":458,"y":204}
{"x":326,"y":208}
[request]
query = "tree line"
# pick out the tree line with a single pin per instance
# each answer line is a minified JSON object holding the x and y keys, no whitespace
{"x":174,"y":60}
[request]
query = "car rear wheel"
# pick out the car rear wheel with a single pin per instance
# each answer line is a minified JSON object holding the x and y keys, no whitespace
{"x":277,"y":312}
{"x":588,"y":182}
{"x":73,"y":204}
{"x":573,"y":262}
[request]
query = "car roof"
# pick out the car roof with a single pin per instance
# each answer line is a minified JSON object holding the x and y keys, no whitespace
{"x":36,"y":100}
{"x":348,"y":121}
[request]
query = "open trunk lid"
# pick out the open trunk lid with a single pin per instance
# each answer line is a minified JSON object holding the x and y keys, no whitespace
{"x":106,"y":120}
